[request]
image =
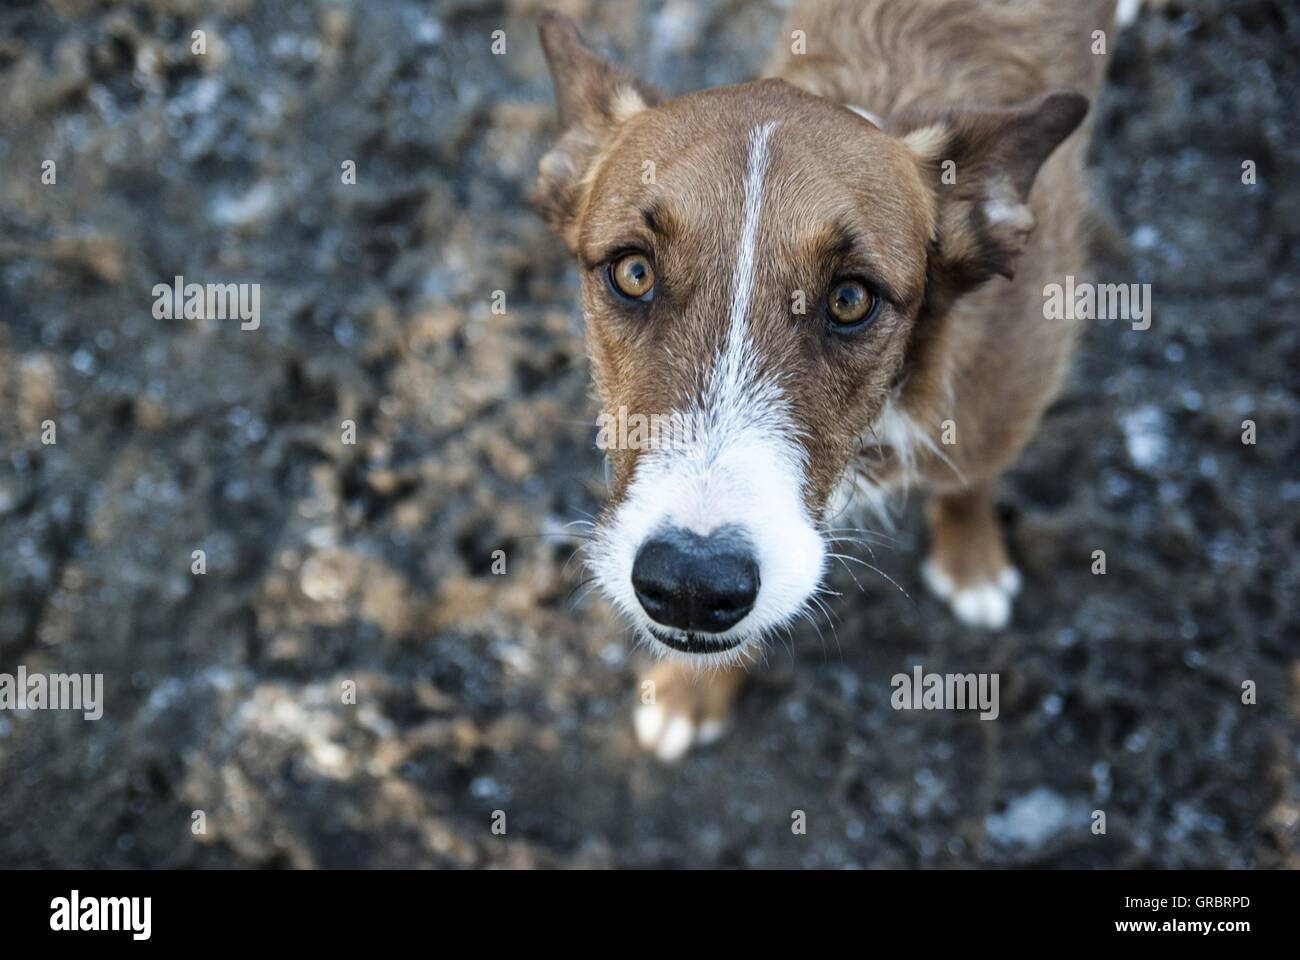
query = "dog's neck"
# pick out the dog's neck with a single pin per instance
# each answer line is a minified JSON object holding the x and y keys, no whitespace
{"x":896,"y":57}
{"x":867,"y":115}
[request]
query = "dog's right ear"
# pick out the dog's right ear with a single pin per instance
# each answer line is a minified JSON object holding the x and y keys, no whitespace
{"x":983,"y":218}
{"x":594,"y":98}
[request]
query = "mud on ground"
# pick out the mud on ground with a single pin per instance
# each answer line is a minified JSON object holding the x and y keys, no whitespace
{"x":371,"y":562}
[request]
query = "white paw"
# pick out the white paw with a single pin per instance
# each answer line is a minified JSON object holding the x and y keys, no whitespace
{"x":986,"y":604}
{"x":668,"y":734}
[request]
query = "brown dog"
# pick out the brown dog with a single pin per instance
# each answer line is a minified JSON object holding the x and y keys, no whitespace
{"x":829,"y":284}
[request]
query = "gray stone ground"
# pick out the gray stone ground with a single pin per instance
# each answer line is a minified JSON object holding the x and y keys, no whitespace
{"x":370,"y":563}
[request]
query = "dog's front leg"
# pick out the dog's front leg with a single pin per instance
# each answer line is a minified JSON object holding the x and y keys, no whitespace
{"x":680,"y":706}
{"x":968,"y":564}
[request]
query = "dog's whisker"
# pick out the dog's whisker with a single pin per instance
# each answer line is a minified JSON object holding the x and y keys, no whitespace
{"x":838,"y":649}
{"x":845,"y":557}
{"x":865,"y":534}
{"x":888,"y":578}
{"x":878,"y":539}
{"x":806,"y":613}
{"x":831,"y":617}
{"x":578,"y":554}
{"x":568,"y":421}
{"x":788,"y":640}
{"x":569,"y":601}
{"x":821,"y":640}
{"x":835,"y":634}
{"x":870,"y":544}
{"x":842,"y":557}
{"x":849,"y":571}
{"x":552,"y":533}
{"x":582,"y":598}
{"x":834,"y":541}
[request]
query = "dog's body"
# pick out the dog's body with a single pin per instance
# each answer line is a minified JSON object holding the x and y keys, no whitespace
{"x":918,"y":252}
{"x":990,"y":365}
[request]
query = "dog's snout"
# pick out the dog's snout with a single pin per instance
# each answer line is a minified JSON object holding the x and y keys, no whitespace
{"x":702,"y":584}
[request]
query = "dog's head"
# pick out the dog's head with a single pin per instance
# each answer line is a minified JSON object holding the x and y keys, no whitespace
{"x":754,"y":261}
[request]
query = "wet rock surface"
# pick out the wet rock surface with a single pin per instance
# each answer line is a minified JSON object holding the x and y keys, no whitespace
{"x":369,"y":564}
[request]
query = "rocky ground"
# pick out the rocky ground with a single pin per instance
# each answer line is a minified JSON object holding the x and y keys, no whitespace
{"x":329,"y":562}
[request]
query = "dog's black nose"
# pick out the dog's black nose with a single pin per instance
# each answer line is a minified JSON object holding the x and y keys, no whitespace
{"x":694,"y":583}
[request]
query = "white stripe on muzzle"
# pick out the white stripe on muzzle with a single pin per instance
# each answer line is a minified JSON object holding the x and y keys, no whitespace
{"x":735,"y":461}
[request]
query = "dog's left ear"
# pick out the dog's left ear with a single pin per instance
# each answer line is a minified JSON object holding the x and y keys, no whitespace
{"x":594,"y":98}
{"x":980,"y":165}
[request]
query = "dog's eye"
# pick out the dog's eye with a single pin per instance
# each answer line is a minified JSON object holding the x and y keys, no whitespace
{"x":849,"y":302}
{"x":633,"y":276}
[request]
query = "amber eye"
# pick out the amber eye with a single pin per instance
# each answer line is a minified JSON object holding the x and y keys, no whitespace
{"x":633,"y":276}
{"x":848,"y":302}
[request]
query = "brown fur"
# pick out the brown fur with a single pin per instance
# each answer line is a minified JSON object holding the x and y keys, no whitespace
{"x":994,"y":87}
